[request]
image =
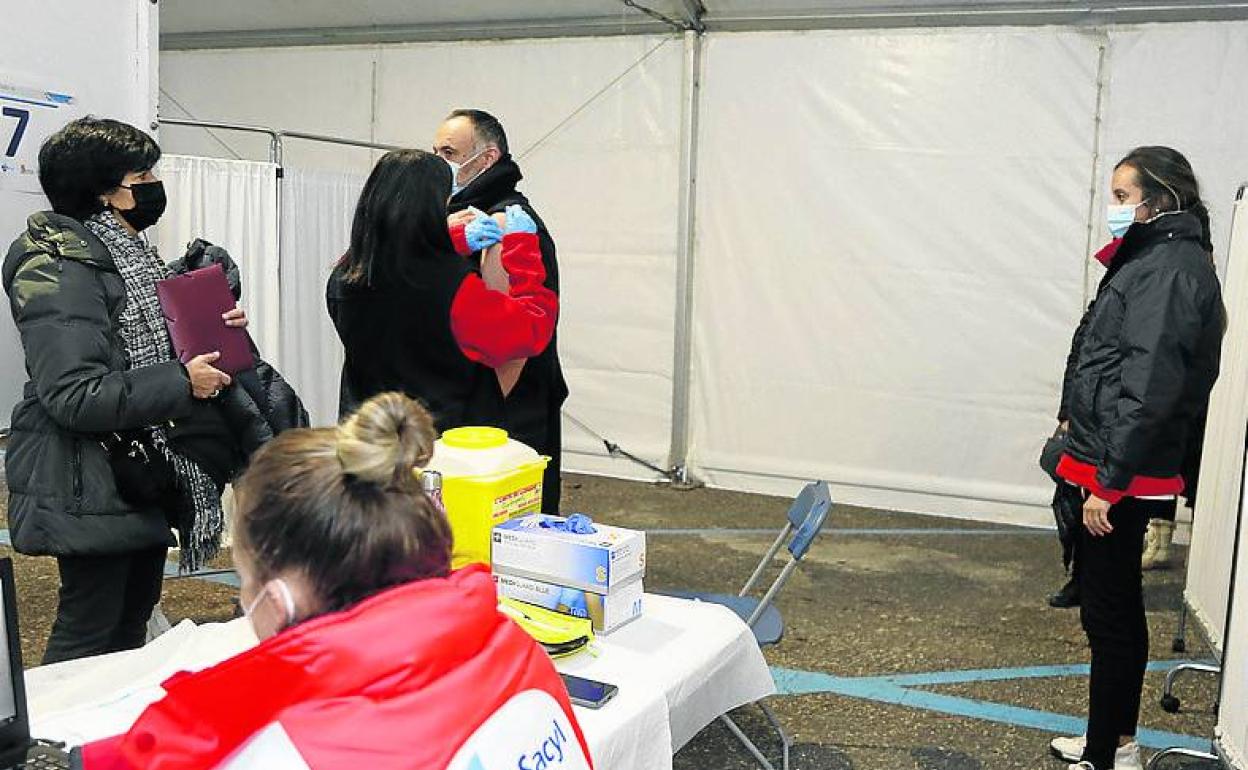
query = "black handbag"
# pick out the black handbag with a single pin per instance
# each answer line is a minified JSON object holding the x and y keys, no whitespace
{"x":1052,"y":453}
{"x":144,"y":476}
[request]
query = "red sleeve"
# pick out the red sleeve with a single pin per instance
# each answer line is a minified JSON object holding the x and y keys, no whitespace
{"x":459,"y":238}
{"x":493,"y":328}
{"x":105,"y":755}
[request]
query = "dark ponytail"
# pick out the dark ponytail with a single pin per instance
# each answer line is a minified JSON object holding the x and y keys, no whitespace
{"x":1202,"y":214}
{"x":1169,"y":184}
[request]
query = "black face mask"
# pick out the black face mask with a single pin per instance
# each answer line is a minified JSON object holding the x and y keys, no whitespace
{"x":149,"y":204}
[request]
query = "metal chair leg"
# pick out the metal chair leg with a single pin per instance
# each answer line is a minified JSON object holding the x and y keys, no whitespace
{"x":1169,"y":703}
{"x":1180,"y":635}
{"x":1156,"y":759}
{"x":745,"y":741}
{"x":786,"y":743}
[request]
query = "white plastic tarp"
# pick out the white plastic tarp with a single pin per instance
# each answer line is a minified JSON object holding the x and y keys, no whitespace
{"x":892,"y":232}
{"x":317,"y":207}
{"x":595,"y":126}
{"x":232,"y":204}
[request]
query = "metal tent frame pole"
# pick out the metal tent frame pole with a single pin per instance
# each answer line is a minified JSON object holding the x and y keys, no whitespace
{"x":682,"y":364}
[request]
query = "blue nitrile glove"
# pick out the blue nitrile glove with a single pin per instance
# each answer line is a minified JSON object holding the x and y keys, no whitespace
{"x":518,"y":220}
{"x":482,"y":233}
{"x":577,"y":524}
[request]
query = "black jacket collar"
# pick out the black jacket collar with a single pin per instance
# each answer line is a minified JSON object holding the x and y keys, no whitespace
{"x":1179,"y":226}
{"x":495,"y":184}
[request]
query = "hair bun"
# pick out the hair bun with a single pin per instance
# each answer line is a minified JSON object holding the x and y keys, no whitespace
{"x":385,"y":440}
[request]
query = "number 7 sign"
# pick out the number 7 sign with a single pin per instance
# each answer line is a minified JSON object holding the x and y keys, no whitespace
{"x":23,"y":118}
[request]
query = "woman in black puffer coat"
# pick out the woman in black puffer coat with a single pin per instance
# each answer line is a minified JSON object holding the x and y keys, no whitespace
{"x":80,"y":282}
{"x":1136,"y":393}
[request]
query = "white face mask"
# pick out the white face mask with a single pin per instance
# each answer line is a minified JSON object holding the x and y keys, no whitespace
{"x":455,"y":168}
{"x":288,"y":601}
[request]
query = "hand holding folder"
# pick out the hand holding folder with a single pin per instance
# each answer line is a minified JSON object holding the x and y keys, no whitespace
{"x":194,"y":304}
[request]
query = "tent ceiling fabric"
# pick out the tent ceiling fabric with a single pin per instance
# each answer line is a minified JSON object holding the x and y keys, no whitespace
{"x":187,"y":24}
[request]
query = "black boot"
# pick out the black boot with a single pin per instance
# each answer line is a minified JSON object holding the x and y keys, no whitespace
{"x":1067,"y":597}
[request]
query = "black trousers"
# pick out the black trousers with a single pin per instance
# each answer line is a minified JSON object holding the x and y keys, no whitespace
{"x":1112,"y":612}
{"x":104,"y":603}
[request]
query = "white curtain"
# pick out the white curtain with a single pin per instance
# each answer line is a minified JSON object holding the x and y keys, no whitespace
{"x":1222,"y":465}
{"x":233,"y":204}
{"x":317,"y":207}
{"x":887,"y":303}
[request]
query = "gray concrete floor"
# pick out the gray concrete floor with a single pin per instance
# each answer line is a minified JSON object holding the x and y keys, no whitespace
{"x":863,"y":604}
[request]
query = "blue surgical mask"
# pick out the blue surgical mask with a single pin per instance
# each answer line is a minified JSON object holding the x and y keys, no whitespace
{"x":1120,"y":218}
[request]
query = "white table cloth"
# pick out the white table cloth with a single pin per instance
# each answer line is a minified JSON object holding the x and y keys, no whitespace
{"x":678,"y":667}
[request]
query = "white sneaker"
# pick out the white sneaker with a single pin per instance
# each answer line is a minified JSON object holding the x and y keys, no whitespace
{"x":1071,"y":749}
{"x":1128,"y":757}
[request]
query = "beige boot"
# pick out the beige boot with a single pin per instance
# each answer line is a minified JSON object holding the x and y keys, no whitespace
{"x":1165,"y":536}
{"x":1158,"y":557}
{"x":1150,"y":545}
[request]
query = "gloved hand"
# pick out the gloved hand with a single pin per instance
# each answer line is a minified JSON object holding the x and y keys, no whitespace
{"x":577,"y":524}
{"x":518,"y":221}
{"x":482,"y":233}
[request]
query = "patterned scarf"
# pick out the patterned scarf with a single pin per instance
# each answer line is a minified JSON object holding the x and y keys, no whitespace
{"x":147,"y":343}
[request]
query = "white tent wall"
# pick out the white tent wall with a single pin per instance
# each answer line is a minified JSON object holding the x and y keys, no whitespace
{"x":232,"y":204}
{"x":101,"y":54}
{"x":887,"y":304}
{"x":893,"y":226}
{"x":595,"y":125}
{"x":317,"y":206}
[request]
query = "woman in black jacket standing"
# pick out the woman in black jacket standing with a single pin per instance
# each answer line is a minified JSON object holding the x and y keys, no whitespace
{"x":1145,"y":362}
{"x":414,"y":316}
{"x":81,"y":286}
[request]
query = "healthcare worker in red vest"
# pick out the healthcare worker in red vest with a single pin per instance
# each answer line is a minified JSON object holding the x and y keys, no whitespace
{"x":373,"y":653}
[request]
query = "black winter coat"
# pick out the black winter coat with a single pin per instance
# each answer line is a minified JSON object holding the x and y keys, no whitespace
{"x":533,"y":406}
{"x":66,"y":297}
{"x":1146,"y":355}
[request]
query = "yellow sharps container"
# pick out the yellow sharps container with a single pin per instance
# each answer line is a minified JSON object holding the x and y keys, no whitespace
{"x":487,"y":478}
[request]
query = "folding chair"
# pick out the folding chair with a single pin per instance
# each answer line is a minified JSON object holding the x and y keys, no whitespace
{"x":804,"y":521}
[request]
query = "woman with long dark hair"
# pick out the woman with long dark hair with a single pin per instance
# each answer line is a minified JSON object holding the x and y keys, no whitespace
{"x":412,"y":314}
{"x":1137,"y":391}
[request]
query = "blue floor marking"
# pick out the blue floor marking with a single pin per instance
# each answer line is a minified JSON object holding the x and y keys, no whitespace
{"x":896,"y":690}
{"x":863,"y":532}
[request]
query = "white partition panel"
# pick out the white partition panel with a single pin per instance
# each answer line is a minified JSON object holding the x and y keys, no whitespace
{"x":60,"y":61}
{"x":1222,"y":464}
{"x":1232,"y":729}
{"x":890,"y":261}
{"x":232,"y":204}
{"x":317,"y":207}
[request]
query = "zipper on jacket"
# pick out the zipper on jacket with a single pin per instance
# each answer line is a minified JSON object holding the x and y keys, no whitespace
{"x":77,"y":475}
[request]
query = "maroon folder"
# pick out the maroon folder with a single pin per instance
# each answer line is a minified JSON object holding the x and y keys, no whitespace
{"x":193,"y":304}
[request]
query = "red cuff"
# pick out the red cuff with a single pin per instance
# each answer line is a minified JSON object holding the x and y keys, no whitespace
{"x":1084,"y":475}
{"x":459,"y":238}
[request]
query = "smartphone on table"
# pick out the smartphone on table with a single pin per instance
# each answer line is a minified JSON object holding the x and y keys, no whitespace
{"x":587,"y":692}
